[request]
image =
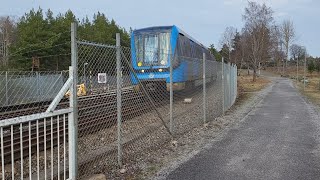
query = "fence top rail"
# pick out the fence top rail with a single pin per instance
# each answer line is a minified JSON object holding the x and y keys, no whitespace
{"x":30,"y":72}
{"x":33,"y":117}
{"x":95,"y":44}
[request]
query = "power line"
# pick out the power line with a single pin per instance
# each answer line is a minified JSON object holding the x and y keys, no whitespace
{"x":41,"y":49}
{"x":40,"y":57}
{"x":40,"y":43}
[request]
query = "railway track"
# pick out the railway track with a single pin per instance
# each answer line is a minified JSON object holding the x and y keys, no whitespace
{"x":89,"y":121}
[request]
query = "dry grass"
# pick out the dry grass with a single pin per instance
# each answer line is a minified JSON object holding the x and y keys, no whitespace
{"x":245,"y":83}
{"x":312,"y":89}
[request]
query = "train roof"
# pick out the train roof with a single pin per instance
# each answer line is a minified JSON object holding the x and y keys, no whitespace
{"x":157,"y":28}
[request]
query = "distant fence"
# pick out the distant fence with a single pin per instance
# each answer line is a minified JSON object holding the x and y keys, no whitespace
{"x":27,"y":87}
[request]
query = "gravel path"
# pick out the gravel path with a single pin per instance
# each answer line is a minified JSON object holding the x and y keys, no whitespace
{"x":278,"y":139}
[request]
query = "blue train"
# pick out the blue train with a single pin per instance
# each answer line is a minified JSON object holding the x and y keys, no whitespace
{"x":153,"y":48}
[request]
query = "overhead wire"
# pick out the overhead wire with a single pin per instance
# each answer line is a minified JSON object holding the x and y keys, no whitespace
{"x":40,"y":43}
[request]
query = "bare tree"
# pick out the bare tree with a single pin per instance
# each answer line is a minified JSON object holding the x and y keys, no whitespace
{"x":7,"y":36}
{"x":276,"y":47}
{"x":297,"y":51}
{"x":288,"y":34}
{"x":239,"y":53}
{"x":227,"y":39}
{"x":258,"y":21}
{"x":242,"y":52}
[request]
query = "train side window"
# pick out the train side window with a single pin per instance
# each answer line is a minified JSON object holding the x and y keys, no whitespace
{"x":199,"y":52}
{"x":181,"y":45}
{"x":187,"y":47}
{"x":192,"y":49}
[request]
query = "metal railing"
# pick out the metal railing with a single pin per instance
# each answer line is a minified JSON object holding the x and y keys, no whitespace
{"x":36,"y":144}
{"x":38,"y":124}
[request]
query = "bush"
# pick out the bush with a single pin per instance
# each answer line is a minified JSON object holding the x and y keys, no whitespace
{"x":311,"y":67}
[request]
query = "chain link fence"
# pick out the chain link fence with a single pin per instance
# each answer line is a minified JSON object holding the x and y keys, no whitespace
{"x":124,"y":112}
{"x":35,"y":116}
{"x":34,"y":142}
{"x":24,"y":92}
{"x":129,"y":112}
{"x":19,"y":87}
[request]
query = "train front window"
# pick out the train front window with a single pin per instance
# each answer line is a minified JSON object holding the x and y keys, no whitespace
{"x":164,"y":48}
{"x":152,"y":49}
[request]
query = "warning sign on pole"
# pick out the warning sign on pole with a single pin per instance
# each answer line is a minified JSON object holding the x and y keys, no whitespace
{"x":102,"y":78}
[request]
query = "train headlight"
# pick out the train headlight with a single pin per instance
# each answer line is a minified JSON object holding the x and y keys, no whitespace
{"x":163,"y":62}
{"x":142,"y":70}
{"x":140,"y":64}
{"x":160,"y":70}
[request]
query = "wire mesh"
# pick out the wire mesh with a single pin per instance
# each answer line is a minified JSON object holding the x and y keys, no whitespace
{"x":214,"y":91}
{"x":142,"y":103}
{"x":97,"y":107}
{"x":146,"y":119}
{"x":230,"y":85}
{"x":145,"y":125}
{"x":188,"y":95}
{"x":25,"y":93}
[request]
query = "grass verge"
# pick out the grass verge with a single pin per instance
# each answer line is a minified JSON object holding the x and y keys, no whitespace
{"x":312,"y":89}
{"x":245,"y":84}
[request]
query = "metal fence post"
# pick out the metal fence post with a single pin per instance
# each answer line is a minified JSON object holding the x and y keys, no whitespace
{"x":38,"y":87}
{"x":232,"y":82}
{"x":297,"y":79}
{"x":171,"y":94}
{"x":119,"y":113}
{"x":222,"y":79}
{"x":229,"y":82}
{"x":304,"y":72}
{"x":235,"y":83}
{"x":73,"y":117}
{"x":7,"y":98}
{"x":204,"y":88}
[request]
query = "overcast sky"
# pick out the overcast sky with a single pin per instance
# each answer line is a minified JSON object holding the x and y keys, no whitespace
{"x":205,"y":20}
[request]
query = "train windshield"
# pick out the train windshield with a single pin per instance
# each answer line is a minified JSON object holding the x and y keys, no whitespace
{"x":152,"y":49}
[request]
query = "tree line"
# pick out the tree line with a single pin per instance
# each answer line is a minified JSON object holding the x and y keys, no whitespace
{"x":41,"y":41}
{"x":262,"y":41}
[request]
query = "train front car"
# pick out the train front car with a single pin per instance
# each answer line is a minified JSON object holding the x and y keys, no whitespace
{"x":151,"y":51}
{"x":154,"y":48}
